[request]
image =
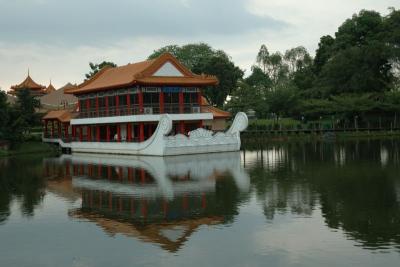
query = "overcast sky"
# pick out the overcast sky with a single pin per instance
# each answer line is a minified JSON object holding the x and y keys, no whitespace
{"x":56,"y":39}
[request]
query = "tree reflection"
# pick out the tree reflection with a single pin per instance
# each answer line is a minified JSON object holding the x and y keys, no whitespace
{"x":356,"y":183}
{"x":21,"y":179}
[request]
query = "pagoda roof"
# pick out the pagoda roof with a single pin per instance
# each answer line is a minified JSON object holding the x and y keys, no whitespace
{"x":217,"y":113}
{"x":50,"y":88}
{"x":147,"y":72}
{"x":28,"y":83}
{"x":60,"y":115}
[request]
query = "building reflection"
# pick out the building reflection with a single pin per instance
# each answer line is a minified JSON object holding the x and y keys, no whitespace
{"x":157,"y":200}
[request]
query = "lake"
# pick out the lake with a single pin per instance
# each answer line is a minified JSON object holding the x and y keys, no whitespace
{"x":333,"y":203}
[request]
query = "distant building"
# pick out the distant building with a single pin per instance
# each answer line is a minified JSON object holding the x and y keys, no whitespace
{"x":29,"y":84}
{"x":57,"y":99}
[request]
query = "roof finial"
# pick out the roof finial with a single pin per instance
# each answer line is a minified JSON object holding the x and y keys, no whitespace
{"x":28,"y":71}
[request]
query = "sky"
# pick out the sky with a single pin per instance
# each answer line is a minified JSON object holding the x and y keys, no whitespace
{"x":56,"y":39}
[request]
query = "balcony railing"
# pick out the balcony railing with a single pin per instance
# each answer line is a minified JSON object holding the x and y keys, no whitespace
{"x":135,"y":110}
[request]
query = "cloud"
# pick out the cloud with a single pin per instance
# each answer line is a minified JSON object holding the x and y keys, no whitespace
{"x":56,"y":39}
{"x":93,"y":21}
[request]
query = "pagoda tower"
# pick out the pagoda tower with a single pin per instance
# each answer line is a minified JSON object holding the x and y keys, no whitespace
{"x":29,"y":84}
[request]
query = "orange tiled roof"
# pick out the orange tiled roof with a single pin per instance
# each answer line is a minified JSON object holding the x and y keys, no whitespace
{"x":217,"y":113}
{"x":141,"y":73}
{"x":50,"y":88}
{"x":60,"y":115}
{"x":28,"y":83}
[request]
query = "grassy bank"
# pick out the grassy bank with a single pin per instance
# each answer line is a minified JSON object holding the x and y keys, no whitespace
{"x":249,"y":137}
{"x":28,"y":148}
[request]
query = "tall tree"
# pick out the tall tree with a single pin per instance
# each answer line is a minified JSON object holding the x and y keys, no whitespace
{"x":95,"y":68}
{"x":263,"y":57}
{"x":202,"y":58}
{"x":297,"y":58}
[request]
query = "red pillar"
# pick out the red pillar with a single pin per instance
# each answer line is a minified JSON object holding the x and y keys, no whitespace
{"x":119,"y":133}
{"x":88,"y":106}
{"x":182,"y":127}
{"x":52,"y":129}
{"x":80,"y":133}
{"x":161,"y":100}
{"x":117,"y":104}
{"x":108,"y":133}
{"x":140,"y":100}
{"x":97,"y":106}
{"x":73,"y":132}
{"x":98,"y":133}
{"x":89,"y":133}
{"x":129,"y":132}
{"x":199,"y":98}
{"x":181,"y":108}
{"x":106,"y":105}
{"x":141,"y":132}
{"x":45,"y":128}
{"x":128,"y":103}
{"x":66,"y":130}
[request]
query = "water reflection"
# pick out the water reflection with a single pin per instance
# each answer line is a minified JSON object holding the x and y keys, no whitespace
{"x":356,"y":185}
{"x":353,"y":186}
{"x":158,"y":200}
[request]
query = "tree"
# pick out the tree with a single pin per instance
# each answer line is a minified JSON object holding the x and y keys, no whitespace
{"x":297,"y":58}
{"x":25,"y":108}
{"x":4,"y":115}
{"x":95,"y":68}
{"x":202,"y":58}
{"x":263,"y":57}
{"x":258,"y":78}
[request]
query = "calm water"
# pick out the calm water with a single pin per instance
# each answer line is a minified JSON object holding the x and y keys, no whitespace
{"x":297,"y":204}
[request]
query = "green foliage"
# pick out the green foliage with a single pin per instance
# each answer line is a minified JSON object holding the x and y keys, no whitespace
{"x":202,"y":58}
{"x":246,"y":97}
{"x":95,"y":68}
{"x":16,"y":120}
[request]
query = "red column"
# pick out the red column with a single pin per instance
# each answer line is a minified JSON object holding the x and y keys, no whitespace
{"x":66,"y":130}
{"x":98,"y":133}
{"x":119,"y":133}
{"x":182,"y":127}
{"x":88,"y":106}
{"x":199,"y":98}
{"x":52,"y":129}
{"x":140,"y":100}
{"x":73,"y":132}
{"x":97,"y":106}
{"x":161,"y":100}
{"x":181,"y":102}
{"x":89,"y":133}
{"x":141,"y":132}
{"x":45,"y":128}
{"x":106,"y":105}
{"x":129,"y":132}
{"x":108,"y":133}
{"x":80,"y":133}
{"x":117,"y":104}
{"x":128,"y":103}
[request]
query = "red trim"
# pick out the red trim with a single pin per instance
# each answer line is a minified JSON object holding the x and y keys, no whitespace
{"x":128,"y":102}
{"x":129,"y":132}
{"x":97,"y":105}
{"x":80,"y":133}
{"x":98,"y":133}
{"x":119,"y":133}
{"x":89,"y":133}
{"x":117,"y":104}
{"x":141,"y":132}
{"x":108,"y":133}
{"x":182,"y":127}
{"x":140,"y":100}
{"x":107,"y":105}
{"x":181,"y":102}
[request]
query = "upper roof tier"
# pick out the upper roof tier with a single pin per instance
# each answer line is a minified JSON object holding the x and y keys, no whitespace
{"x":30,"y":84}
{"x":164,"y":70}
